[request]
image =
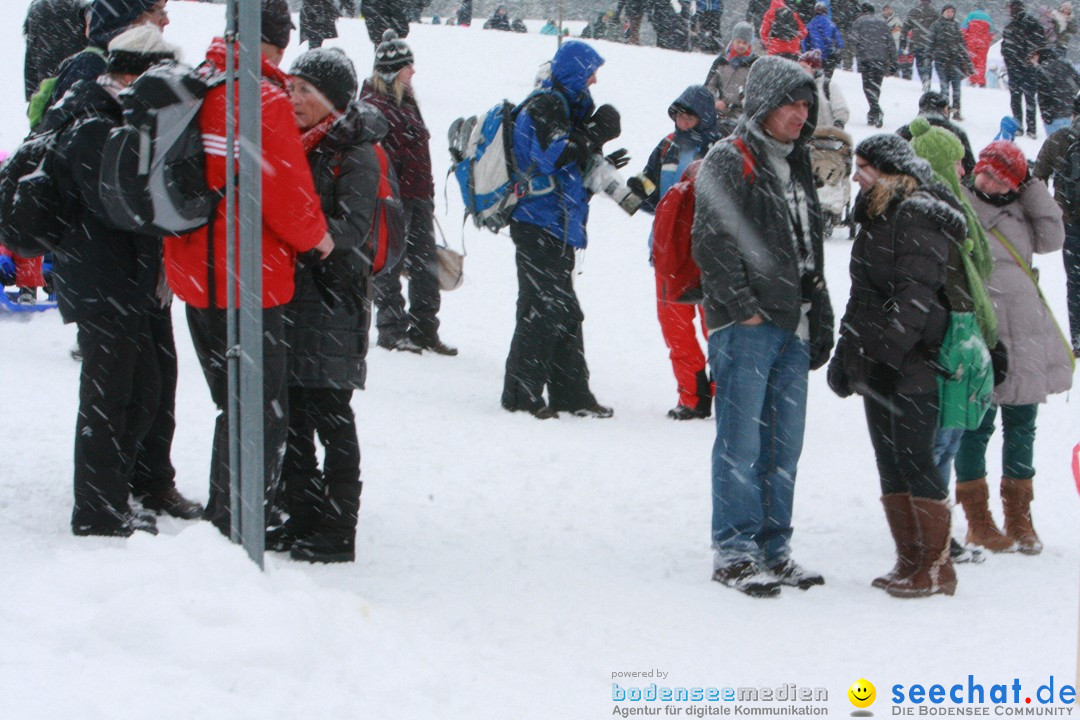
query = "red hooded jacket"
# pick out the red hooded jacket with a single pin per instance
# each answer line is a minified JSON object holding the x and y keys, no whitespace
{"x":293,"y":221}
{"x":776,"y":46}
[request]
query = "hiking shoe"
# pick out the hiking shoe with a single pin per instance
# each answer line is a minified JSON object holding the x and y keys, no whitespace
{"x":400,"y":344}
{"x":27,"y":296}
{"x":436,"y":346}
{"x":171,"y":502}
{"x":965,"y":553}
{"x":685,"y":412}
{"x":281,"y":538}
{"x":789,"y":572}
{"x":748,"y":577}
{"x":596,"y":410}
{"x":325,"y":546}
{"x":143,"y":522}
{"x":544,"y":413}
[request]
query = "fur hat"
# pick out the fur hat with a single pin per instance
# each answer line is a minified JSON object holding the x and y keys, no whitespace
{"x":331,"y":72}
{"x":892,"y":155}
{"x":277,"y":23}
{"x":138,"y":48}
{"x":1005,"y":161}
{"x":392,"y":55}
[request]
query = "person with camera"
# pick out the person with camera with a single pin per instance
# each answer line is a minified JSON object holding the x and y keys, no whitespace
{"x":557,"y":136}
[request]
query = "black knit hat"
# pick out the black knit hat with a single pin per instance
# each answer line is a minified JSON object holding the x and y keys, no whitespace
{"x":137,"y":49}
{"x":331,"y":72}
{"x":392,"y":55}
{"x":933,"y":101}
{"x":277,"y":23}
{"x":892,"y":155}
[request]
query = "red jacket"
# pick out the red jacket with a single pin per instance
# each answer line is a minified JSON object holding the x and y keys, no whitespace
{"x":293,"y":221}
{"x":776,"y":46}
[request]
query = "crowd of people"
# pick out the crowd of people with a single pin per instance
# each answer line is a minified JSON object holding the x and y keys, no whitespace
{"x":943,"y":242}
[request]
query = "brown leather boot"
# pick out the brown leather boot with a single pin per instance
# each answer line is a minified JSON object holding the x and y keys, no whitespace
{"x":901,"y":518}
{"x":935,"y":573}
{"x":974,"y":497}
{"x":1016,"y":497}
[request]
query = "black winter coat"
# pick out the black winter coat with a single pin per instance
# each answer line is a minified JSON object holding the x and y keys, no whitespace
{"x":54,"y":30}
{"x":379,"y":15}
{"x":919,"y":22}
{"x":318,"y":20}
{"x":328,"y":345}
{"x":896,"y":316}
{"x":99,"y":269}
{"x":947,"y":47}
{"x":1020,"y":38}
{"x":1058,"y":84}
{"x":874,"y":46}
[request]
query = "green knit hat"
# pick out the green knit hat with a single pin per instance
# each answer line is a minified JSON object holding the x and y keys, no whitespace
{"x":940,"y":148}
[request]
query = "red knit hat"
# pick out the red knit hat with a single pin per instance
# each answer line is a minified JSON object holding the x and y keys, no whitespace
{"x":1005,"y":161}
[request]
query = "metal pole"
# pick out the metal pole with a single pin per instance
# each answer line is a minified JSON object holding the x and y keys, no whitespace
{"x":232,"y":354}
{"x":252,"y":472}
{"x":560,"y":22}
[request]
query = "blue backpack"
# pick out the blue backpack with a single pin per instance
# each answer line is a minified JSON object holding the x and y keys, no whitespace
{"x":486,"y":169}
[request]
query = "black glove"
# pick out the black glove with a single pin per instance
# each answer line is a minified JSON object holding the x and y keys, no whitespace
{"x":838,"y":379}
{"x":338,"y":281}
{"x":636,"y":186}
{"x":999,"y":358}
{"x":605,"y":124}
{"x":620,"y":159}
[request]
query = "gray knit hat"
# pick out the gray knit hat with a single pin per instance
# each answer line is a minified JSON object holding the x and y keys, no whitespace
{"x":743,"y":31}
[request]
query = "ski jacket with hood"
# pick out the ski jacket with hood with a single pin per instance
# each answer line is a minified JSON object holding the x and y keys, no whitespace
{"x":822,"y":34}
{"x":777,"y":45}
{"x":292,"y":221}
{"x":744,"y":238}
{"x":557,"y":200}
{"x":328,"y":345}
{"x":675,"y":152}
{"x":54,"y":30}
{"x":407,"y":142}
{"x":99,"y":269}
{"x":874,"y":46}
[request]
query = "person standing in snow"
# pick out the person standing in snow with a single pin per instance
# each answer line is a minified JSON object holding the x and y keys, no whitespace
{"x":558,"y":134}
{"x":832,"y":105}
{"x":107,"y":283}
{"x":950,"y":56}
{"x":823,"y":35}
{"x":383,"y":15}
{"x":54,"y":30}
{"x":1058,"y":83}
{"x":935,"y":108}
{"x":408,"y":146}
{"x":727,"y":77}
{"x":917,"y":29}
{"x":892,"y":329}
{"x":1019,"y":41}
{"x":694,"y":114}
{"x":1022,"y":220}
{"x":978,"y":30}
{"x":757,"y":238}
{"x":877,"y":58}
{"x":292,"y":223}
{"x":499,"y":20}
{"x":318,"y":20}
{"x":327,"y":331}
{"x":782,"y":30}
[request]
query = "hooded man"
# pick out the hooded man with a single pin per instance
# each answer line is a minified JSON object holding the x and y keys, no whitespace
{"x":757,"y":238}
{"x":1019,"y":41}
{"x":54,"y":30}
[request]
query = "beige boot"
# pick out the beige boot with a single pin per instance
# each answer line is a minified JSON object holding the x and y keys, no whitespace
{"x":974,"y":497}
{"x":1016,"y":497}
{"x":935,"y":573}
{"x":901,"y":519}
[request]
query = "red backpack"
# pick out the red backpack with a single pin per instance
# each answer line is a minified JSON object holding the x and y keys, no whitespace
{"x":672,"y":258}
{"x":387,"y":242}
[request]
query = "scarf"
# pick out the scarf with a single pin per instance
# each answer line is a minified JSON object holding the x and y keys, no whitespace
{"x":314,"y":135}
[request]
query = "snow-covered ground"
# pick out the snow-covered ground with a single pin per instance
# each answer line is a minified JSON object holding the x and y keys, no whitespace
{"x":506,"y":567}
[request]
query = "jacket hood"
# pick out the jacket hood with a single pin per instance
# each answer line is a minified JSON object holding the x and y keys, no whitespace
{"x":573,"y":65}
{"x":770,"y":80}
{"x":216,"y":55}
{"x":109,"y":19}
{"x":698,"y":100}
{"x":361,"y":123}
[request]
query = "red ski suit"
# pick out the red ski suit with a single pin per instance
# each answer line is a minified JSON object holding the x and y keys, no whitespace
{"x":776,"y":46}
{"x":978,"y":38}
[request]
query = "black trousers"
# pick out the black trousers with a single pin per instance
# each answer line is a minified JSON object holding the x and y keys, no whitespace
{"x":902,"y":431}
{"x":1023,"y":84}
{"x":154,"y":473}
{"x":118,"y":395}
{"x":871,"y":85}
{"x":421,"y":323}
{"x":208,"y":335}
{"x":329,"y":498}
{"x":548,"y":348}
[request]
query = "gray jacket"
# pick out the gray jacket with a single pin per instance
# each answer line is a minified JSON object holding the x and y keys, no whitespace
{"x":1039,"y":363}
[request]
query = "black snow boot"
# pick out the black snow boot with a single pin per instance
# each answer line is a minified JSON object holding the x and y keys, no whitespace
{"x":330,"y":545}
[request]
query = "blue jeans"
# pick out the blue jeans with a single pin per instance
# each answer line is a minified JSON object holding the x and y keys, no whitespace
{"x":946,"y":445}
{"x":950,"y":77}
{"x":760,"y":373}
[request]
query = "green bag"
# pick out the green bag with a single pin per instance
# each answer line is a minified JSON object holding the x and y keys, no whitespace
{"x":966,"y":380}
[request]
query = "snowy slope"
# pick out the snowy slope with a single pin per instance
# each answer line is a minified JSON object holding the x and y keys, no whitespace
{"x":507,"y":567}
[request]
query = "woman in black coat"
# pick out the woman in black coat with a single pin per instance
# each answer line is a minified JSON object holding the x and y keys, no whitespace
{"x":889,"y":341}
{"x":326,"y":326}
{"x":318,"y":21}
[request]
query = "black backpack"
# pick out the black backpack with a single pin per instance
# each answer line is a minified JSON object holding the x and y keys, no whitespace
{"x":33,"y":213}
{"x":784,"y":26}
{"x":153,"y":170}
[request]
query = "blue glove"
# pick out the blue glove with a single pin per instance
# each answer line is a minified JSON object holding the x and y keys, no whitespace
{"x":1009,"y":128}
{"x":7,"y":270}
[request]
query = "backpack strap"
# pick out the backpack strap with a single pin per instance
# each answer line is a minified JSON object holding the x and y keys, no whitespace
{"x":749,"y":163}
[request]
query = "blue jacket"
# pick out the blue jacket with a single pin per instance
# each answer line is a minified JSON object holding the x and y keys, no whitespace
{"x":558,"y":202}
{"x":822,"y":34}
{"x":675,"y":152}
